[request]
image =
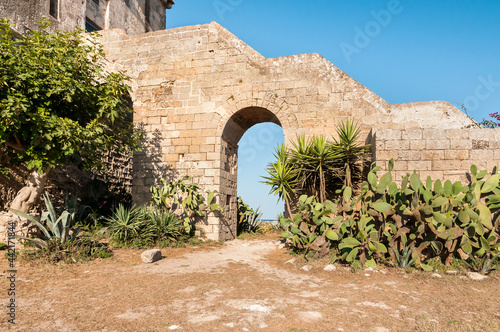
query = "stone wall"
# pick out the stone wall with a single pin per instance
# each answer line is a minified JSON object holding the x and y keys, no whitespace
{"x":427,"y":115}
{"x":198,"y":89}
{"x":444,"y":154}
{"x":133,"y":16}
{"x":25,"y":14}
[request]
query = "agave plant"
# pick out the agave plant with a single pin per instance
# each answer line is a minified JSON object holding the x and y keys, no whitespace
{"x":484,"y":264}
{"x":58,"y":227}
{"x":407,"y":256}
{"x":252,"y":221}
{"x":80,"y":211}
{"x":163,"y":225}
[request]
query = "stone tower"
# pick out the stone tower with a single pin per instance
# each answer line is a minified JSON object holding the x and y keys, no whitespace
{"x":132,"y":16}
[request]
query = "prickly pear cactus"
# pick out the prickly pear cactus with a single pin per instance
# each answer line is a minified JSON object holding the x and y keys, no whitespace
{"x":416,"y":219}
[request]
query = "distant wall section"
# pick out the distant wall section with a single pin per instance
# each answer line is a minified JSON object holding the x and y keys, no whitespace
{"x":24,"y":14}
{"x":442,"y":154}
{"x":132,"y":16}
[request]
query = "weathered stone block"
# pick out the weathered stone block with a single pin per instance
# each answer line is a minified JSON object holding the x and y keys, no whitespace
{"x":432,"y":155}
{"x":386,"y":155}
{"x":456,"y":154}
{"x":431,"y":134}
{"x":437,"y":144}
{"x":151,"y":256}
{"x":445,"y":165}
{"x":460,"y":144}
{"x":480,"y":144}
{"x":399,"y":144}
{"x":412,"y":134}
{"x":409,"y":155}
{"x":481,"y":155}
{"x":417,"y":144}
{"x":422,"y":165}
{"x":457,"y":133}
{"x":389,"y":134}
{"x":482,"y":134}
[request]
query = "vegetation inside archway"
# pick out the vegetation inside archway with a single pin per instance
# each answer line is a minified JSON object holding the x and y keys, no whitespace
{"x":318,"y":167}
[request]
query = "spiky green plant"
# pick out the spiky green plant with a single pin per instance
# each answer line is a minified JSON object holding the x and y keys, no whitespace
{"x":407,"y":256}
{"x":282,"y":177}
{"x":351,"y":155}
{"x":316,"y":162}
{"x":51,"y":225}
{"x":483,"y":264}
{"x":124,"y":224}
{"x":162,"y":225}
{"x":317,"y":167}
{"x":253,"y":221}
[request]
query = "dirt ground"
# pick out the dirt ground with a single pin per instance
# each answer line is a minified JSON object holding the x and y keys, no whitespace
{"x":242,"y":285}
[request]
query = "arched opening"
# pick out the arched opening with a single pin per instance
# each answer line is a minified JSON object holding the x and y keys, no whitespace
{"x":255,"y":151}
{"x":258,"y":147}
{"x":245,"y":118}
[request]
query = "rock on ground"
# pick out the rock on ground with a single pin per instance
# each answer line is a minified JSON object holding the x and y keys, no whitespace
{"x":151,"y":256}
{"x":330,"y":267}
{"x":476,"y":276}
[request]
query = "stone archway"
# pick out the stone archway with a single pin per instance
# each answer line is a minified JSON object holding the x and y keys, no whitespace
{"x":234,"y":129}
{"x":197,"y":89}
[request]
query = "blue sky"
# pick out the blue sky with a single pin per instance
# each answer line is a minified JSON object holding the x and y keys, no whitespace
{"x":405,"y":51}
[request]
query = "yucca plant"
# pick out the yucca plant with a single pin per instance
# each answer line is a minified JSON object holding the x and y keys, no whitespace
{"x":282,"y":177}
{"x":316,"y":162}
{"x":162,"y":225}
{"x":351,"y":156}
{"x":58,"y":227}
{"x":317,"y":167}
{"x":124,"y":224}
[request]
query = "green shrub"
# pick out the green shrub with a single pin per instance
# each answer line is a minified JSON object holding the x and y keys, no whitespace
{"x":83,"y":249}
{"x":416,"y":220}
{"x":249,"y":220}
{"x":124,"y":224}
{"x":143,"y":226}
{"x":162,"y":225}
{"x":53,"y":226}
{"x":179,"y":194}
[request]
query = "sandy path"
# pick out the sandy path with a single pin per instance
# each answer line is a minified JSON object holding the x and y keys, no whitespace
{"x":244,"y":285}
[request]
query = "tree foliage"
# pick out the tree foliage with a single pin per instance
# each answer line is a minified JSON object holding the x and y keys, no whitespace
{"x":58,"y":105}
